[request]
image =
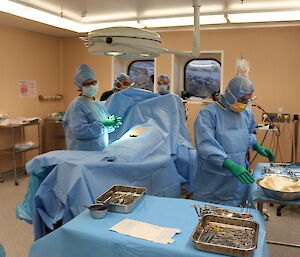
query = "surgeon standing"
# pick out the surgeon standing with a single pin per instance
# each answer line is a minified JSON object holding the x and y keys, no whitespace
{"x":163,"y":84}
{"x":223,"y":135}
{"x":86,"y":121}
{"x":121,"y":82}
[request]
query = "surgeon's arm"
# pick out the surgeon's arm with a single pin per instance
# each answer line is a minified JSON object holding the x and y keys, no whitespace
{"x":83,"y":125}
{"x":207,"y":145}
{"x":253,"y":144}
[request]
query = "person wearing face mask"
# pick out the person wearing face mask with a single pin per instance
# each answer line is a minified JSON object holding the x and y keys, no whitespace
{"x":121,"y":82}
{"x":223,"y":135}
{"x":86,"y":121}
{"x":163,"y":84}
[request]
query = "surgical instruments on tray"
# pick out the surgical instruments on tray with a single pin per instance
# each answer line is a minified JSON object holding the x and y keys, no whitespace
{"x":288,"y":172}
{"x":209,"y":209}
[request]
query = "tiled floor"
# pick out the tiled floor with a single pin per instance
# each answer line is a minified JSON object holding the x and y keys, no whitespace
{"x":15,"y":235}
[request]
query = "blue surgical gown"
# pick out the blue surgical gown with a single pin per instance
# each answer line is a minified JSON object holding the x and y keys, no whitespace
{"x":2,"y":251}
{"x":82,"y":127}
{"x":221,"y":134}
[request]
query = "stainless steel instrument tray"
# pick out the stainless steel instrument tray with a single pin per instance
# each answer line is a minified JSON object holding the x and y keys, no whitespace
{"x":223,"y":235}
{"x":122,"y":198}
{"x":209,"y":209}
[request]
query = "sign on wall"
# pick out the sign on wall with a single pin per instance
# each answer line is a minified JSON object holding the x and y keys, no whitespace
{"x":27,"y":88}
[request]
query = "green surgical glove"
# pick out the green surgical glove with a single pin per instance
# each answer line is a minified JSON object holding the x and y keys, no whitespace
{"x":241,"y":173}
{"x":112,"y":121}
{"x":117,"y":121}
{"x":264,"y":152}
{"x":108,"y":122}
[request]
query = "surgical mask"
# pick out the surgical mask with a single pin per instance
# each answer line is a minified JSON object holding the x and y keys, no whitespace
{"x":237,"y":106}
{"x":163,"y":90}
{"x":90,"y":91}
{"x":123,"y":87}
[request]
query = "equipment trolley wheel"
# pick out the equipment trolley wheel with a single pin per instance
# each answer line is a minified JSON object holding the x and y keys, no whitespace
{"x":265,"y":216}
{"x":279,"y":208}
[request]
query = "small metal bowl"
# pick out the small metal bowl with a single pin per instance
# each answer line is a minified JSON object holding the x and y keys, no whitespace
{"x":98,"y":210}
{"x":278,"y":195}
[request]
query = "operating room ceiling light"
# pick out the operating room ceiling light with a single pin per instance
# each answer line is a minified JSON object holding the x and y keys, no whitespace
{"x":145,"y":55}
{"x":57,"y":21}
{"x":168,"y":22}
{"x":137,"y":43}
{"x":37,"y":15}
{"x":124,"y":42}
{"x":113,"y":53}
{"x":264,"y":16}
{"x":28,"y":12}
{"x":183,"y":21}
{"x":90,"y":27}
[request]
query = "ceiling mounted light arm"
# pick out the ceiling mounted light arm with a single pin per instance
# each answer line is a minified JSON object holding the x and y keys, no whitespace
{"x":196,"y":46}
{"x":137,"y":43}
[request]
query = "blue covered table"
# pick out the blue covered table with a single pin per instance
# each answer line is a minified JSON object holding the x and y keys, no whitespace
{"x":257,"y":195}
{"x":85,"y":236}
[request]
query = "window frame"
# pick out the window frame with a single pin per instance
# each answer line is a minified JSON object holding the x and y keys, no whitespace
{"x":196,"y":59}
{"x":142,"y":60}
{"x":130,"y":64}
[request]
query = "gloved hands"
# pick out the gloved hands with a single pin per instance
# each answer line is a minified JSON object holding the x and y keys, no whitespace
{"x":264,"y":152}
{"x":107,"y":122}
{"x":112,"y":121}
{"x":241,"y":173}
{"x":117,"y":121}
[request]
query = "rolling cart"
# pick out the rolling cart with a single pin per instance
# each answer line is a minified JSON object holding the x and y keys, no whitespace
{"x":15,"y":149}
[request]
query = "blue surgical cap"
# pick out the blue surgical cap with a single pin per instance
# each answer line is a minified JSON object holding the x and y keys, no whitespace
{"x":120,"y":77}
{"x":163,"y":76}
{"x":238,"y":86}
{"x":83,"y":73}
